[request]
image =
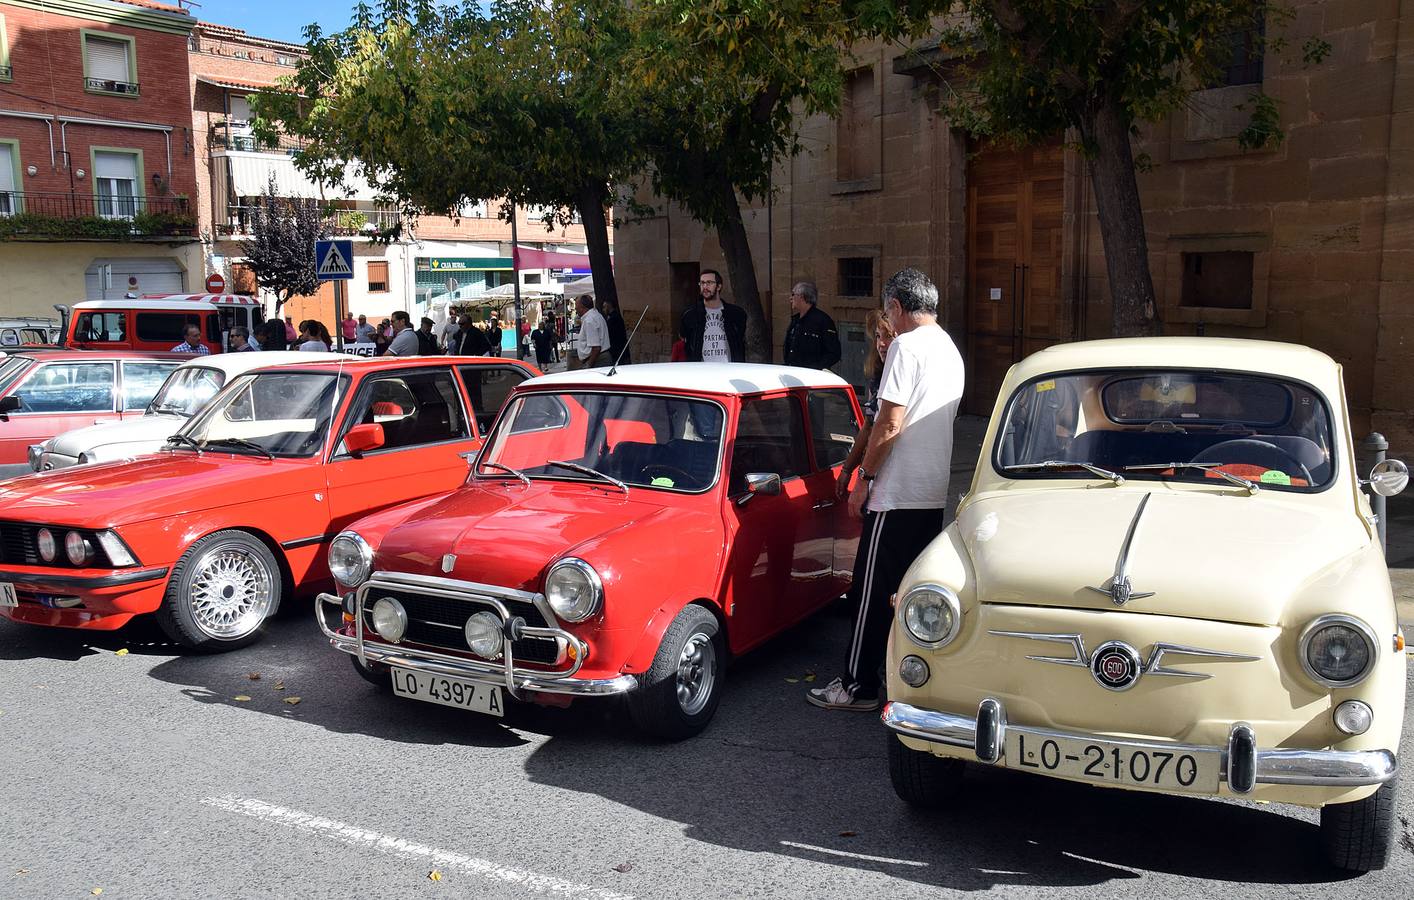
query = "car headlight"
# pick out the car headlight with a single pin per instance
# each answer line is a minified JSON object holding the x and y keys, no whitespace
{"x":350,"y":558}
{"x":390,"y":619}
{"x":574,"y":589}
{"x":33,"y":454}
{"x":77,"y":548}
{"x":46,"y":545}
{"x":1338,"y":651}
{"x":483,"y":635}
{"x":931,"y":615}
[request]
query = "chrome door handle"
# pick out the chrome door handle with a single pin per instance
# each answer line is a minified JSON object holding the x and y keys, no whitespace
{"x":824,"y":504}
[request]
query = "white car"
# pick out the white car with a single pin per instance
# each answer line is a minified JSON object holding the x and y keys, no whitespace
{"x":184,"y":394}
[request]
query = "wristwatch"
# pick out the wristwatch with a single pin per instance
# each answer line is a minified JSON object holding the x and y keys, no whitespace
{"x":865,"y":475}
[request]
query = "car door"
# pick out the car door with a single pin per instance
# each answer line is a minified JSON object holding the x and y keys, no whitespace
{"x":56,"y":397}
{"x":426,"y":428}
{"x":141,"y":380}
{"x":834,"y":426}
{"x":774,"y":552}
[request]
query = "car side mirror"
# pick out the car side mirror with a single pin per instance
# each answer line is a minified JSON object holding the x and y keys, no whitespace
{"x":764,"y":483}
{"x":10,"y":404}
{"x":1386,"y":479}
{"x":362,"y":438}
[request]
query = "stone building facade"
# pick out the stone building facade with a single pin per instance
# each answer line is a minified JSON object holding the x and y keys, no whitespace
{"x":1310,"y":241}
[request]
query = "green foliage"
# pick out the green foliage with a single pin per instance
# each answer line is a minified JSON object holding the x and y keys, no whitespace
{"x":1264,"y":128}
{"x":143,"y":224}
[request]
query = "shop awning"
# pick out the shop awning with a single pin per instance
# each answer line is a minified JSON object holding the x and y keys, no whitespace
{"x":546,"y":259}
{"x":250,"y":172}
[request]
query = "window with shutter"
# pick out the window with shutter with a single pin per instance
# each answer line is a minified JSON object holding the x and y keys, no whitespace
{"x":240,"y":109}
{"x":377,"y":277}
{"x":108,"y":65}
{"x":9,"y":165}
{"x":115,"y":183}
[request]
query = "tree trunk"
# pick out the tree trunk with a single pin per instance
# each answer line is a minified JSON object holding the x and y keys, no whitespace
{"x":741,"y":271}
{"x":1105,"y":131}
{"x":591,"y":202}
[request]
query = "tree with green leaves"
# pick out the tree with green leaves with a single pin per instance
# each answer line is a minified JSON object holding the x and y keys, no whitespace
{"x":1031,"y":69}
{"x":281,"y":248}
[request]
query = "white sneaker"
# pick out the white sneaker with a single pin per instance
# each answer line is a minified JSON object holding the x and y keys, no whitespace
{"x":836,"y":695}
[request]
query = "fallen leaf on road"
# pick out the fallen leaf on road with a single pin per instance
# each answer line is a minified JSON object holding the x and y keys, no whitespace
{"x":122,"y":652}
{"x":792,"y":681}
{"x":254,"y":676}
{"x":279,"y":685}
{"x":96,"y":891}
{"x":810,"y":677}
{"x":434,"y":875}
{"x":241,"y":698}
{"x":624,"y":867}
{"x":848,"y":833}
{"x":22,"y":871}
{"x":291,"y":700}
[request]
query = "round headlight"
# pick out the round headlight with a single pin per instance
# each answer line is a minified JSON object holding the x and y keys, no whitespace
{"x":48,"y":547}
{"x":913,"y":670}
{"x":390,"y":620}
{"x":77,"y":548}
{"x":1353,"y":717}
{"x":931,"y":615}
{"x":350,"y":558}
{"x":574,"y":589}
{"x":483,"y":635}
{"x":1338,"y":651}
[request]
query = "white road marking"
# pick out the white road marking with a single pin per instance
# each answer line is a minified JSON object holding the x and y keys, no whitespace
{"x":355,"y":836}
{"x":864,"y":856}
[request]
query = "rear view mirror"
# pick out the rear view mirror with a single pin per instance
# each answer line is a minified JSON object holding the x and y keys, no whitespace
{"x":765,"y":483}
{"x":362,"y":438}
{"x":1386,"y":479}
{"x":10,"y":404}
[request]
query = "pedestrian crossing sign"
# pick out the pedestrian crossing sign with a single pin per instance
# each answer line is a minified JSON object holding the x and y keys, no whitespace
{"x":333,"y":260}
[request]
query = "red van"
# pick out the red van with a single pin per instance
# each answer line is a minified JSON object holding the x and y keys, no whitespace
{"x":158,"y":321}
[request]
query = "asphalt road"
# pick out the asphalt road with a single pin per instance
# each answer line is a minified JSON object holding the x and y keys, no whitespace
{"x":142,"y":774}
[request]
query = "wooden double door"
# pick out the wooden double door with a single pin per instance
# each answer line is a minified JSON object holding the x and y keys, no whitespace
{"x":1016,"y":304}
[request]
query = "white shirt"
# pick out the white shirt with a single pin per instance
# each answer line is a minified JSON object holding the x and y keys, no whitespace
{"x":315,"y":347}
{"x":593,"y":332}
{"x":714,"y":337}
{"x":922,"y":373}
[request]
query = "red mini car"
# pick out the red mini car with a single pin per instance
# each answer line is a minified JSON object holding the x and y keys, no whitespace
{"x":622,"y":534}
{"x":233,"y":516}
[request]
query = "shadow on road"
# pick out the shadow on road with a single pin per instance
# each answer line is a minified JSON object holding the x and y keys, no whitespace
{"x":142,"y":637}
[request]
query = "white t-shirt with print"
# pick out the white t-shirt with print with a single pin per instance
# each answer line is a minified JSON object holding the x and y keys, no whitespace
{"x":923,"y":373}
{"x":714,"y":337}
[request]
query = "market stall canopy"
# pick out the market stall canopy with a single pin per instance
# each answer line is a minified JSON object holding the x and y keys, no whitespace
{"x":528,"y":290}
{"x":579,"y":288}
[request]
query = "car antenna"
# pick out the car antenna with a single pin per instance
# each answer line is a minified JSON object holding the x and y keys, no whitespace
{"x":628,"y":341}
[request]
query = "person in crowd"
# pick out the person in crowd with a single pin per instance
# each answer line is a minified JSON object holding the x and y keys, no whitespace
{"x":715,"y":331}
{"x":446,"y":330}
{"x":350,"y":329}
{"x":426,"y":340}
{"x":239,"y":341}
{"x":381,"y":336}
{"x":559,"y":336}
{"x":314,"y":338}
{"x":405,"y":342}
{"x":618,"y":334}
{"x":290,"y":333}
{"x":493,"y":334}
{"x":902,"y":486}
{"x":363,"y":332}
{"x":274,"y":338}
{"x":543,"y":339}
{"x":811,"y":340}
{"x":880,"y":335}
{"x":192,"y":342}
{"x":593,"y":340}
{"x":469,"y":340}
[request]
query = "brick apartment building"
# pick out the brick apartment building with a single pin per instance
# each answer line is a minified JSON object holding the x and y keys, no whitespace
{"x":96,"y":155}
{"x":1309,"y":242}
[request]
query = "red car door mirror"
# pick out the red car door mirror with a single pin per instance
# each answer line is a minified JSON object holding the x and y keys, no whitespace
{"x":362,"y":438}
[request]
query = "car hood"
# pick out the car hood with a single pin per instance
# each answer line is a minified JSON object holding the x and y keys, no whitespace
{"x":1219,"y":555}
{"x":106,"y":495}
{"x":507,"y":534}
{"x":148,"y":429}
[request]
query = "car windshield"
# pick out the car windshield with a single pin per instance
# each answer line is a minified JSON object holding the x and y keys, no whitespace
{"x":275,"y":413}
{"x":1254,"y":431}
{"x":186,"y":390}
{"x":637,"y":440}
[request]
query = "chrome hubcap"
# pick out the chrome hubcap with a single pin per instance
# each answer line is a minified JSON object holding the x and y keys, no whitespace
{"x":230,"y":593}
{"x":697,"y":673}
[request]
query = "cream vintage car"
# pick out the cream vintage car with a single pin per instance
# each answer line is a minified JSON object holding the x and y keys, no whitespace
{"x":1165,"y":577}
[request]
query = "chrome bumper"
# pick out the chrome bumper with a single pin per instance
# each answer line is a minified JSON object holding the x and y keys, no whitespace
{"x":503,"y":672}
{"x":1244,"y":765}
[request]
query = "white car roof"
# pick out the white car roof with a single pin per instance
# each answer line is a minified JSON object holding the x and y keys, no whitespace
{"x":715,"y":378}
{"x":236,"y":363}
{"x":185,"y":302}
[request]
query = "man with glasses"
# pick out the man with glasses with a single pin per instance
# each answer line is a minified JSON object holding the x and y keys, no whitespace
{"x":714,"y":330}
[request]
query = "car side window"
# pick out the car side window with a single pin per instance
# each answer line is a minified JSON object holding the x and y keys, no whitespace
{"x":141,"y":380}
{"x":832,"y":427}
{"x":415,"y":408}
{"x":102,"y":327}
{"x":488,"y":387}
{"x":68,"y":387}
{"x":163,"y":328}
{"x":770,"y":437}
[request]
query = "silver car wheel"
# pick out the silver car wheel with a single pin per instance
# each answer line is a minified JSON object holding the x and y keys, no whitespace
{"x":231,"y":593}
{"x":697,"y":673}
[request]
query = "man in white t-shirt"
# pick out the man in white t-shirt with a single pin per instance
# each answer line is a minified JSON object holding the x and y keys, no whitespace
{"x":714,"y":330}
{"x":592,"y":342}
{"x":903,"y":480}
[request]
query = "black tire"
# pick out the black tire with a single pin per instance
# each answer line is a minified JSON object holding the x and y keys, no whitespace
{"x":920,"y":778}
{"x":655,"y":705}
{"x":246,"y":565}
{"x":1358,"y":836}
{"x":375,"y":674}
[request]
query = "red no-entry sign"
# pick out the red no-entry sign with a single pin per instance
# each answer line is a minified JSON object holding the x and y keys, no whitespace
{"x":215,"y":284}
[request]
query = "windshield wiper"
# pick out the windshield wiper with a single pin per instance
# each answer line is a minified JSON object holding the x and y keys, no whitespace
{"x":1214,"y":468}
{"x":1067,"y":464}
{"x":588,"y":471}
{"x":240,"y":442}
{"x":524,"y":478}
{"x":180,"y":438}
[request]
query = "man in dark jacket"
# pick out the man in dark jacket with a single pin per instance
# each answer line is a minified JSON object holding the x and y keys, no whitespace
{"x":714,"y":330}
{"x":469,"y":340}
{"x":811,"y":340}
{"x":618,"y":334}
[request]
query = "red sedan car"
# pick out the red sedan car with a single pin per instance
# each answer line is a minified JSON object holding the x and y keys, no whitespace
{"x":622,"y":534}
{"x":233,"y":516}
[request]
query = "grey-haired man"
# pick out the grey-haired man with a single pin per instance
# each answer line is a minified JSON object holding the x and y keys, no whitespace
{"x":811,"y":340}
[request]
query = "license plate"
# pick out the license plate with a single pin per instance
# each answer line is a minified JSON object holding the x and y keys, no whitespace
{"x":7,"y":595}
{"x":1181,"y":771}
{"x":448,"y":691}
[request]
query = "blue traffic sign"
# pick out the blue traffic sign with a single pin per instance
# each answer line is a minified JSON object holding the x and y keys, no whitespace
{"x":333,"y":260}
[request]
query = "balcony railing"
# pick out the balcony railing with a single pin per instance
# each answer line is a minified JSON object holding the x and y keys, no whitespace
{"x":233,"y":134}
{"x":344,"y":222}
{"x":55,"y":214}
{"x":109,"y":86}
